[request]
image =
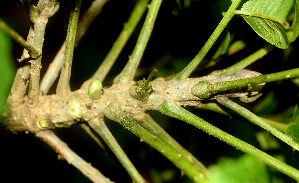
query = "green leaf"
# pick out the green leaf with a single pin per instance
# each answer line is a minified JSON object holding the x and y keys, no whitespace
{"x":294,"y":31}
{"x":7,"y":69}
{"x":268,"y":19}
{"x":293,"y":131}
{"x":244,"y":169}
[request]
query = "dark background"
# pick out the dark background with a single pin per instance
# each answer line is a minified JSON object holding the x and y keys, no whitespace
{"x":177,"y":37}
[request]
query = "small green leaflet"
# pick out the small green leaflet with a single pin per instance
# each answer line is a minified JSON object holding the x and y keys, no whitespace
{"x":268,"y":19}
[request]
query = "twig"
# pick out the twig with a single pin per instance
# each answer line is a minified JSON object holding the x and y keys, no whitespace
{"x":53,"y":71}
{"x":72,"y":158}
{"x":153,"y":127}
{"x":202,"y":53}
{"x":100,"y":127}
{"x":45,"y":10}
{"x":34,"y":53}
{"x":63,"y":87}
{"x":88,"y":130}
{"x":120,"y":42}
{"x":114,"y":112}
{"x":54,"y":68}
{"x":171,"y":109}
{"x":257,"y":121}
{"x":129,"y":71}
{"x":35,"y":38}
{"x":206,"y":89}
{"x":248,"y":60}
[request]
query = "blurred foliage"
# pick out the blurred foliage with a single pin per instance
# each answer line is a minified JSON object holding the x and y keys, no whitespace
{"x":267,"y":141}
{"x":7,"y":69}
{"x":240,"y":170}
{"x":293,"y":131}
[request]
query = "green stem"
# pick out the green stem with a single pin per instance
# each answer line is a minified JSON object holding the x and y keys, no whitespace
{"x":151,"y":125}
{"x":100,"y":127}
{"x":248,"y":60}
{"x":171,"y":109}
{"x":114,"y":112}
{"x":122,"y":39}
{"x":150,"y":77}
{"x":54,"y":68}
{"x":202,"y":53}
{"x":34,"y":53}
{"x":205,"y":89}
{"x":63,"y":87}
{"x":257,"y":121}
{"x":129,"y":71}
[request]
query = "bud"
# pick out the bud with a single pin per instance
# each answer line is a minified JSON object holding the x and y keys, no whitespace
{"x":95,"y":89}
{"x":42,"y":123}
{"x":75,"y":109}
